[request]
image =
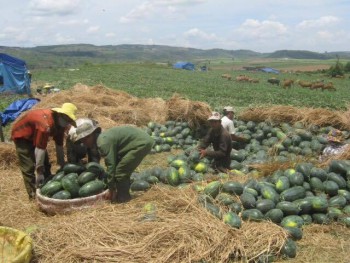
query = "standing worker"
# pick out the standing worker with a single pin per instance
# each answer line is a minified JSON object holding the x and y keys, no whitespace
{"x":123,"y":148}
{"x":76,"y":150}
{"x":31,"y":133}
{"x":227,"y":123}
{"x":221,"y":141}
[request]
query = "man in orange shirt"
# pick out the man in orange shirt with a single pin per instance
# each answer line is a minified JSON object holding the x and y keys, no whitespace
{"x":31,"y":133}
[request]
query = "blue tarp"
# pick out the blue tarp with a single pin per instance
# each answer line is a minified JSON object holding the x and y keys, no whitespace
{"x":14,"y":73}
{"x":16,"y":108}
{"x":184,"y":65}
{"x":270,"y":70}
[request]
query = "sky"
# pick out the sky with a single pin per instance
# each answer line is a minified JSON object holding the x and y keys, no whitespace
{"x":258,"y":25}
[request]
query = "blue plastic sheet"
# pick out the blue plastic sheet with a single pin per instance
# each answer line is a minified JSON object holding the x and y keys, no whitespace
{"x":16,"y":108}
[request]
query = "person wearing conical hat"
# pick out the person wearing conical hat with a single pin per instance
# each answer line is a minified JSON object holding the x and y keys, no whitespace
{"x":336,"y":144}
{"x":31,"y":133}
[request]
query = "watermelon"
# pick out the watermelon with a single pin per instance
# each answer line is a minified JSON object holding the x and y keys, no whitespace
{"x":337,"y":179}
{"x":289,"y":249}
{"x":73,"y":168}
{"x":86,"y":177}
{"x":71,"y":186}
{"x":214,"y":210}
{"x":184,"y":174}
{"x":275,"y":215}
{"x":334,"y":213}
{"x":235,"y":207}
{"x":95,"y":168}
{"x":58,"y":176}
{"x":292,"y":221}
{"x":63,"y":195}
{"x":295,"y":233}
{"x":265,"y":205}
{"x":248,"y":200}
{"x":337,"y":201}
{"x":212,"y":189}
{"x":91,"y":188}
{"x":224,"y":199}
{"x":201,"y":167}
{"x":268,"y":192}
{"x":232,"y":187}
{"x":320,"y":218}
{"x":293,"y":193}
{"x":232,"y":219}
{"x":331,"y":188}
{"x":319,"y":173}
{"x":50,"y":188}
{"x":172,"y":176}
{"x":282,"y":184}
{"x":288,"y":208}
{"x":140,"y":185}
{"x":252,"y":215}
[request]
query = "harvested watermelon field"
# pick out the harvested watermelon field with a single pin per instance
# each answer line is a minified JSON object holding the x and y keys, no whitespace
{"x":190,"y":214}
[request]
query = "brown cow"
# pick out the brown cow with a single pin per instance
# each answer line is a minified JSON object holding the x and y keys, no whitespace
{"x":329,"y":86}
{"x":226,"y":76}
{"x":317,"y":85}
{"x":251,"y":80}
{"x":304,"y":84}
{"x":242,"y":78}
{"x":287,"y":83}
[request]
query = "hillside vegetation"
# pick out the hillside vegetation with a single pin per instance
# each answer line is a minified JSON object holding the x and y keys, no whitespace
{"x":70,"y":55}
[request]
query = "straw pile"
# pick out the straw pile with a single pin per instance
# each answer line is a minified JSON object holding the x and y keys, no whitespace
{"x":307,"y":116}
{"x":109,"y":107}
{"x":195,"y":113}
{"x":8,"y":156}
{"x":178,"y":230}
{"x":113,"y":107}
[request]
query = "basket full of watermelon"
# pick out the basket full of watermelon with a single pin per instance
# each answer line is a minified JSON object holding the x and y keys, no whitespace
{"x":74,"y":187}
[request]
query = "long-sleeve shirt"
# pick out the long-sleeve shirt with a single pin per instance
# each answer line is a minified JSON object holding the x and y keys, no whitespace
{"x":37,"y":126}
{"x":222,"y":145}
{"x":116,"y":143}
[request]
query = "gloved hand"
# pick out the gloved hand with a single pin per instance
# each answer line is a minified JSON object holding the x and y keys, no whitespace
{"x":39,"y":180}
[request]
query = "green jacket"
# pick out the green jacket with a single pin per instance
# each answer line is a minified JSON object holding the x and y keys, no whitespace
{"x":115,"y":143}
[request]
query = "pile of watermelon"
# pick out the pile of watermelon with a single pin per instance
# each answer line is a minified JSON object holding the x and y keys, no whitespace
{"x":283,"y":142}
{"x":171,"y":135}
{"x":76,"y":181}
{"x":291,"y":198}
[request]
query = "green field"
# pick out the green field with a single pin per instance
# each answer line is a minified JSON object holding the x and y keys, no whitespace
{"x":151,"y":80}
{"x":160,"y":80}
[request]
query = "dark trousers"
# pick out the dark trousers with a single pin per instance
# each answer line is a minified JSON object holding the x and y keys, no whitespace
{"x":26,"y":157}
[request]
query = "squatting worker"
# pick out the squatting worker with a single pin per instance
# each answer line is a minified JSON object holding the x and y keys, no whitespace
{"x":221,"y":141}
{"x":76,"y":150}
{"x":123,"y":149}
{"x":336,"y":144}
{"x":31,"y":133}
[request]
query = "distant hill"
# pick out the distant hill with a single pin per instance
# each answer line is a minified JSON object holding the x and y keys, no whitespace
{"x":70,"y":55}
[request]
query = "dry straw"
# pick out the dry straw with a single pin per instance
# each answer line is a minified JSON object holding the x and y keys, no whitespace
{"x":178,"y":230}
{"x":307,"y":116}
{"x":181,"y":109}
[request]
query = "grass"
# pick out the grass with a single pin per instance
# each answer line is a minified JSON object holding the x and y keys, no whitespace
{"x":151,"y":80}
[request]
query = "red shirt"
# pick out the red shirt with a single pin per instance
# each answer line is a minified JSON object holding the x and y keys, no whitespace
{"x":37,"y":126}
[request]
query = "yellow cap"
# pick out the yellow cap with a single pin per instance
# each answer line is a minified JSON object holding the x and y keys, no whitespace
{"x":68,"y":109}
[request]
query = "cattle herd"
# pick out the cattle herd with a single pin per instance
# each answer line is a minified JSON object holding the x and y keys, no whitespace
{"x":287,"y":83}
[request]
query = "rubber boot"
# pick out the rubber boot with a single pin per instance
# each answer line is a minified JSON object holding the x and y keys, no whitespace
{"x":112,"y":192}
{"x":123,"y":188}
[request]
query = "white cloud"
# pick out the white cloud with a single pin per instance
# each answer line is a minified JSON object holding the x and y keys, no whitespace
{"x":61,"y":39}
{"x":74,"y":22}
{"x":138,"y":13}
{"x":110,"y":35}
{"x":93,"y":29}
{"x":53,"y":7}
{"x":321,"y":22}
{"x":256,"y":29}
{"x":199,"y":34}
{"x":161,"y":7}
{"x":179,"y":2}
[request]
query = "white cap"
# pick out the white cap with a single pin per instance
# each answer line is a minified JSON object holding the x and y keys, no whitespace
{"x":228,"y":109}
{"x":215,"y":116}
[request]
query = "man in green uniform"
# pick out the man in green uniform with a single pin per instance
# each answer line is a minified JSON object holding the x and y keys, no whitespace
{"x":123,"y":149}
{"x":221,"y":142}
